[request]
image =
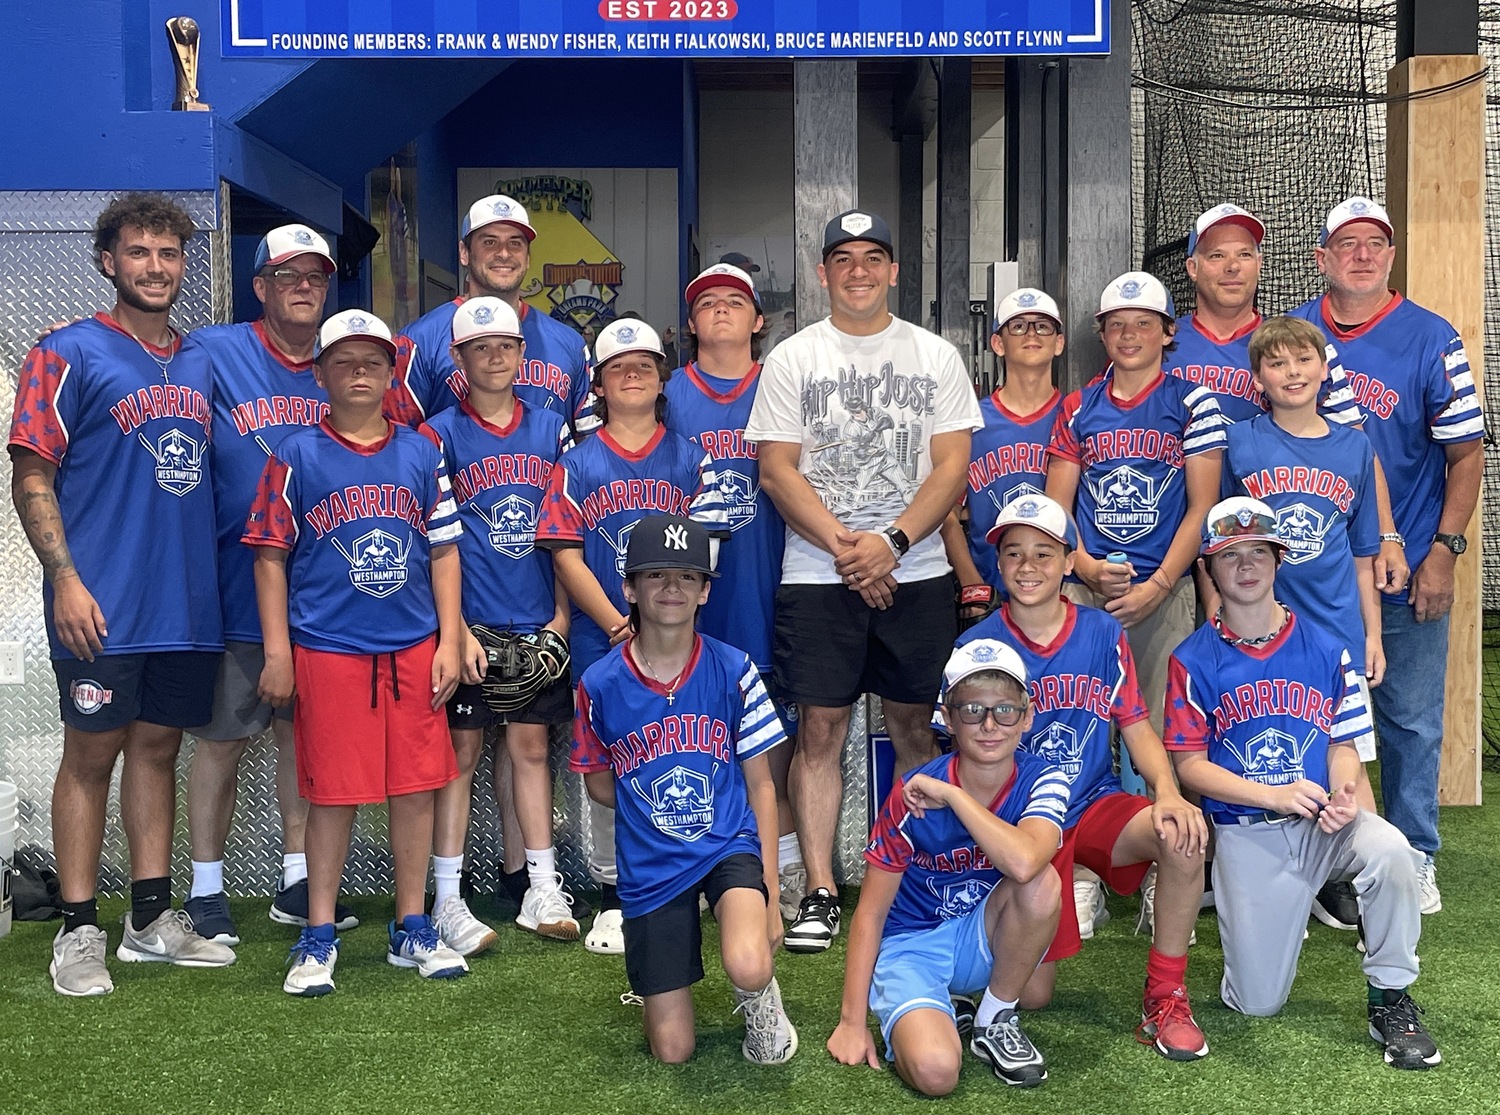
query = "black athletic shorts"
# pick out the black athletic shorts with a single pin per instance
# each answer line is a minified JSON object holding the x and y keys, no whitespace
{"x":664,"y":949}
{"x":831,"y":646}
{"x":553,"y":705}
{"x":172,"y":688}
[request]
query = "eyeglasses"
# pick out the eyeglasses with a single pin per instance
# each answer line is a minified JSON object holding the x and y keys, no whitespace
{"x":1004,"y":715}
{"x":1253,"y":525}
{"x":290,"y":280}
{"x":1019,"y":327}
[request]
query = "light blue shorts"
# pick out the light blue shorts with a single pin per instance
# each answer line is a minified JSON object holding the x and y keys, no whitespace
{"x":922,"y":969}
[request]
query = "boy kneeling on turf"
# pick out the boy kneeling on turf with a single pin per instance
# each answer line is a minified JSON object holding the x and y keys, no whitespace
{"x":1264,"y":715}
{"x":962,"y":895}
{"x":357,"y":581}
{"x":690,"y":784}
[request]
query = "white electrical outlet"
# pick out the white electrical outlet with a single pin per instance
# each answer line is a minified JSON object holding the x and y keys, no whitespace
{"x":12,"y":663}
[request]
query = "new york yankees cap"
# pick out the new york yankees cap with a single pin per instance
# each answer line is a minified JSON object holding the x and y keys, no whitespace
{"x":977,"y":657}
{"x":626,"y":334}
{"x":485,"y":317}
{"x":857,"y":224}
{"x":355,"y":325}
{"x":1027,"y":300}
{"x":494,"y":209}
{"x":1136,"y":290}
{"x":722,"y":274}
{"x":669,"y":542}
{"x":1037,"y":511}
{"x":1355,"y":209}
{"x":1225,"y":214}
{"x":290,"y":241}
{"x":1239,"y":519}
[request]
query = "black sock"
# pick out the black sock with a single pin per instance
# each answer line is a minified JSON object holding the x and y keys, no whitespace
{"x":149,"y":900}
{"x":85,"y":912}
{"x":514,"y":883}
{"x":609,"y":899}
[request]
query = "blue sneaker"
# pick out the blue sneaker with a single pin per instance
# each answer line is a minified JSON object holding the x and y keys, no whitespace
{"x":415,"y":944}
{"x":310,"y":963}
{"x":290,"y":908}
{"x":211,"y":918}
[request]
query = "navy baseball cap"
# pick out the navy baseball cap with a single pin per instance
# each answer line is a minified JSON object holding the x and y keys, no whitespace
{"x":857,"y":224}
{"x":740,"y":260}
{"x":669,"y":542}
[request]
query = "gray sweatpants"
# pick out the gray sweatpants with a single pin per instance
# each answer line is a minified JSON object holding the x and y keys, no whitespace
{"x":1265,"y":877}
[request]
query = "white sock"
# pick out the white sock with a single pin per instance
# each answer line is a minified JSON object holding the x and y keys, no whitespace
{"x":788,"y":851}
{"x":990,"y":1006}
{"x":541,"y":866}
{"x":445,"y":872}
{"x":293,"y":869}
{"x":208,"y":878}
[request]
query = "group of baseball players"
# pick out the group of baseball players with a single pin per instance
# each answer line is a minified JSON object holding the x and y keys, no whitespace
{"x":1132,"y":636}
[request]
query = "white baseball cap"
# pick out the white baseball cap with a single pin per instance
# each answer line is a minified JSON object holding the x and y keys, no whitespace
{"x":349,"y":325}
{"x":977,"y":657}
{"x":1037,"y":511}
{"x":494,"y":209}
{"x":1027,"y":300}
{"x":289,"y":242}
{"x":1225,"y":214}
{"x":626,"y":334}
{"x":1355,"y":209}
{"x":722,"y":274}
{"x":1239,"y":519}
{"x":1136,"y":290}
{"x":485,"y":317}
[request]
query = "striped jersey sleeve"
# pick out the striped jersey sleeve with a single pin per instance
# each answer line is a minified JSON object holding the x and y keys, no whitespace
{"x":760,"y":728}
{"x":1204,"y":432}
{"x":1338,"y":403}
{"x":443,"y":523}
{"x":1460,"y":417}
{"x":708,"y":506}
{"x":1048,"y":800}
{"x":1352,"y":723}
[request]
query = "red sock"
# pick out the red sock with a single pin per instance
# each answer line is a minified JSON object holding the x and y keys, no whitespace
{"x":1164,"y":974}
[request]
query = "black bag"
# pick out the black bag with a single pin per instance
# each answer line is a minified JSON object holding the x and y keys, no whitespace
{"x":35,"y":889}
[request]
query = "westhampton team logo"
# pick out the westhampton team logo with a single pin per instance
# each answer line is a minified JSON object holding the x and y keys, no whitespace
{"x":621,"y":543}
{"x":1010,"y":495}
{"x":179,"y":461}
{"x":483,"y":315}
{"x":739,"y":493}
{"x":1302,"y":529}
{"x":1026,"y":301}
{"x":512,"y":523}
{"x":1273,"y":758}
{"x":682,"y":803}
{"x":1130,"y":289}
{"x":983,"y":653}
{"x":356,"y":324}
{"x":1059,"y":744}
{"x":377,"y":562}
{"x":954,"y":900}
{"x":625,"y":334}
{"x":89,"y":696}
{"x":1125,"y":503}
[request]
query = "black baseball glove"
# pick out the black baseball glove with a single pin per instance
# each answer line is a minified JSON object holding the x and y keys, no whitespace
{"x":520,"y":666}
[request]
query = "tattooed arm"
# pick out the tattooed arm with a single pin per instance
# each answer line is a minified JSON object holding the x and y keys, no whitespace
{"x":75,"y":613}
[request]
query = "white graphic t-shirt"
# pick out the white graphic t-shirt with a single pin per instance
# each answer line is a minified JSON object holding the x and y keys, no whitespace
{"x":864,"y":410}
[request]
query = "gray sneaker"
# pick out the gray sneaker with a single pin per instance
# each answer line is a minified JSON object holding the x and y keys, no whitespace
{"x":170,"y":939}
{"x":77,"y":966}
{"x":1432,"y":898}
{"x":770,"y":1037}
{"x":793,"y":886}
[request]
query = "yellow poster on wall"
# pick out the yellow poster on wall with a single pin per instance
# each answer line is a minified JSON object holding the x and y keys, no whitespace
{"x":573,"y":276}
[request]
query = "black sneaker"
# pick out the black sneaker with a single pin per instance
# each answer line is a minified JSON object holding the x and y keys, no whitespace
{"x":1337,"y":906}
{"x":212,"y":920}
{"x":964,"y":1009}
{"x":816,"y":924}
{"x":290,"y":908}
{"x":1004,"y":1046}
{"x":1396,"y":1024}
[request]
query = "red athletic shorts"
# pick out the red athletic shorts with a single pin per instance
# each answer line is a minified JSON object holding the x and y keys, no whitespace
{"x":366,"y":729}
{"x":1091,"y":842}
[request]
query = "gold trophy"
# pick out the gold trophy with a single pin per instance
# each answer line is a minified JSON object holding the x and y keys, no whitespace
{"x":182,"y":33}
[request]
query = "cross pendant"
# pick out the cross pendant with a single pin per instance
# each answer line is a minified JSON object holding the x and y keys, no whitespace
{"x":670,"y":697}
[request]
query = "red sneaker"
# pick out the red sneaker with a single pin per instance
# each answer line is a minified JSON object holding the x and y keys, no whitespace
{"x":1167,"y":1023}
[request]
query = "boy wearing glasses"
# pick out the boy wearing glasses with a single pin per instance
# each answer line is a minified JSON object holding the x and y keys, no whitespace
{"x":962,"y":896}
{"x":1082,"y":680}
{"x":1265,"y":715}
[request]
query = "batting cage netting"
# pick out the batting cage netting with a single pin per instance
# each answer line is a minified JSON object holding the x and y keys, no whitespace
{"x":1281,"y":108}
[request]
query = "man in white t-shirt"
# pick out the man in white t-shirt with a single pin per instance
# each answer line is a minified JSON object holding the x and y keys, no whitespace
{"x":862,"y":424}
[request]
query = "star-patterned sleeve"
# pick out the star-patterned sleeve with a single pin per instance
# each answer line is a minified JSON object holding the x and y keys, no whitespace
{"x":401,"y":404}
{"x":273,"y":520}
{"x":45,"y":398}
{"x":1128,"y":706}
{"x":1187,"y":727}
{"x":890,"y":848}
{"x":588,"y":752}
{"x":561,"y":520}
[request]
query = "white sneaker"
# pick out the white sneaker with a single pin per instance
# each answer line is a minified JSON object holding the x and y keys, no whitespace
{"x":1432,"y":899}
{"x":77,"y":967}
{"x":1088,"y":900}
{"x":310,"y":968}
{"x":460,"y":929}
{"x":546,"y":911}
{"x":770,"y":1037}
{"x":793,"y":888}
{"x":607,"y":934}
{"x":171,"y":939}
{"x":1145,"y":921}
{"x":423,"y":949}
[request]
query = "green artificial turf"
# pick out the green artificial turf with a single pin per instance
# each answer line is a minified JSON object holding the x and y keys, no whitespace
{"x":538,"y":1027}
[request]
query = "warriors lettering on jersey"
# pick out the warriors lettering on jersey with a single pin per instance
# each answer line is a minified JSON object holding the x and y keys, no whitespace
{"x":670,"y":734}
{"x":1158,"y":445}
{"x":278,"y":410}
{"x":1309,"y":481}
{"x":496,"y":470}
{"x":1004,"y":461}
{"x":661,"y":496}
{"x":159,"y":400}
{"x":971,"y":858}
{"x":178,"y":454}
{"x":365,"y":501}
{"x":1275,"y":697}
{"x":886,"y":388}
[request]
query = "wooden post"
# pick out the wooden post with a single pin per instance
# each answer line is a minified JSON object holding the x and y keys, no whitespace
{"x":1435,"y":194}
{"x":824,"y":167}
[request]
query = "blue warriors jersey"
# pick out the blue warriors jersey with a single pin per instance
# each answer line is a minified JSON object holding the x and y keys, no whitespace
{"x":127,"y":428}
{"x":1222,"y":364}
{"x":599,"y":491}
{"x":1132,"y":459}
{"x":1080,"y":683}
{"x":360,"y":522}
{"x":554,"y":373}
{"x":1007,"y":460}
{"x":1411,"y":375}
{"x":680,"y":803}
{"x":712,"y":412}
{"x":945,"y":874}
{"x":500,"y":477}
{"x":259,"y":396}
{"x":1267,"y":713}
{"x":1323,"y":492}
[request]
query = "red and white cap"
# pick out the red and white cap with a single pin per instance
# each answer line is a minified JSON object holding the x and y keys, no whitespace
{"x":1136,"y":290}
{"x":495,"y":209}
{"x":355,"y":325}
{"x":290,"y":241}
{"x":1239,"y":519}
{"x":626,"y":334}
{"x":1355,"y":209}
{"x":1225,"y":214}
{"x":485,"y":317}
{"x":722,"y":274}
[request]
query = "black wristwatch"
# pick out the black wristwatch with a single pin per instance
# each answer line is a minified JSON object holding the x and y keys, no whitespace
{"x":898,"y":540}
{"x":1455,"y":542}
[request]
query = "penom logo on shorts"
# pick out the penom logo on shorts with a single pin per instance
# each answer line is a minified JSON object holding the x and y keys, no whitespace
{"x":89,"y":696}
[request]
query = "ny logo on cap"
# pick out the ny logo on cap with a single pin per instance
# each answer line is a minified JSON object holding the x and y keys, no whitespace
{"x":1358,"y":207}
{"x":302,"y":236}
{"x":1029,"y":510}
{"x":356,"y":324}
{"x":483,"y":315}
{"x":1130,"y":289}
{"x":856,"y":223}
{"x":675,"y":537}
{"x":983,"y":654}
{"x":625,"y":335}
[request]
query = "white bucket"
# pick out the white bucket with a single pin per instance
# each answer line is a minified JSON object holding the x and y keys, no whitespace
{"x":8,"y":811}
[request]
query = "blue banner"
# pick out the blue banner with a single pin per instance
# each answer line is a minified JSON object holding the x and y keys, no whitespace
{"x":661,"y":28}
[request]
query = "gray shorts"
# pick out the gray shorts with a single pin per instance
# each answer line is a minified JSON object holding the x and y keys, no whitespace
{"x":238,"y":710}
